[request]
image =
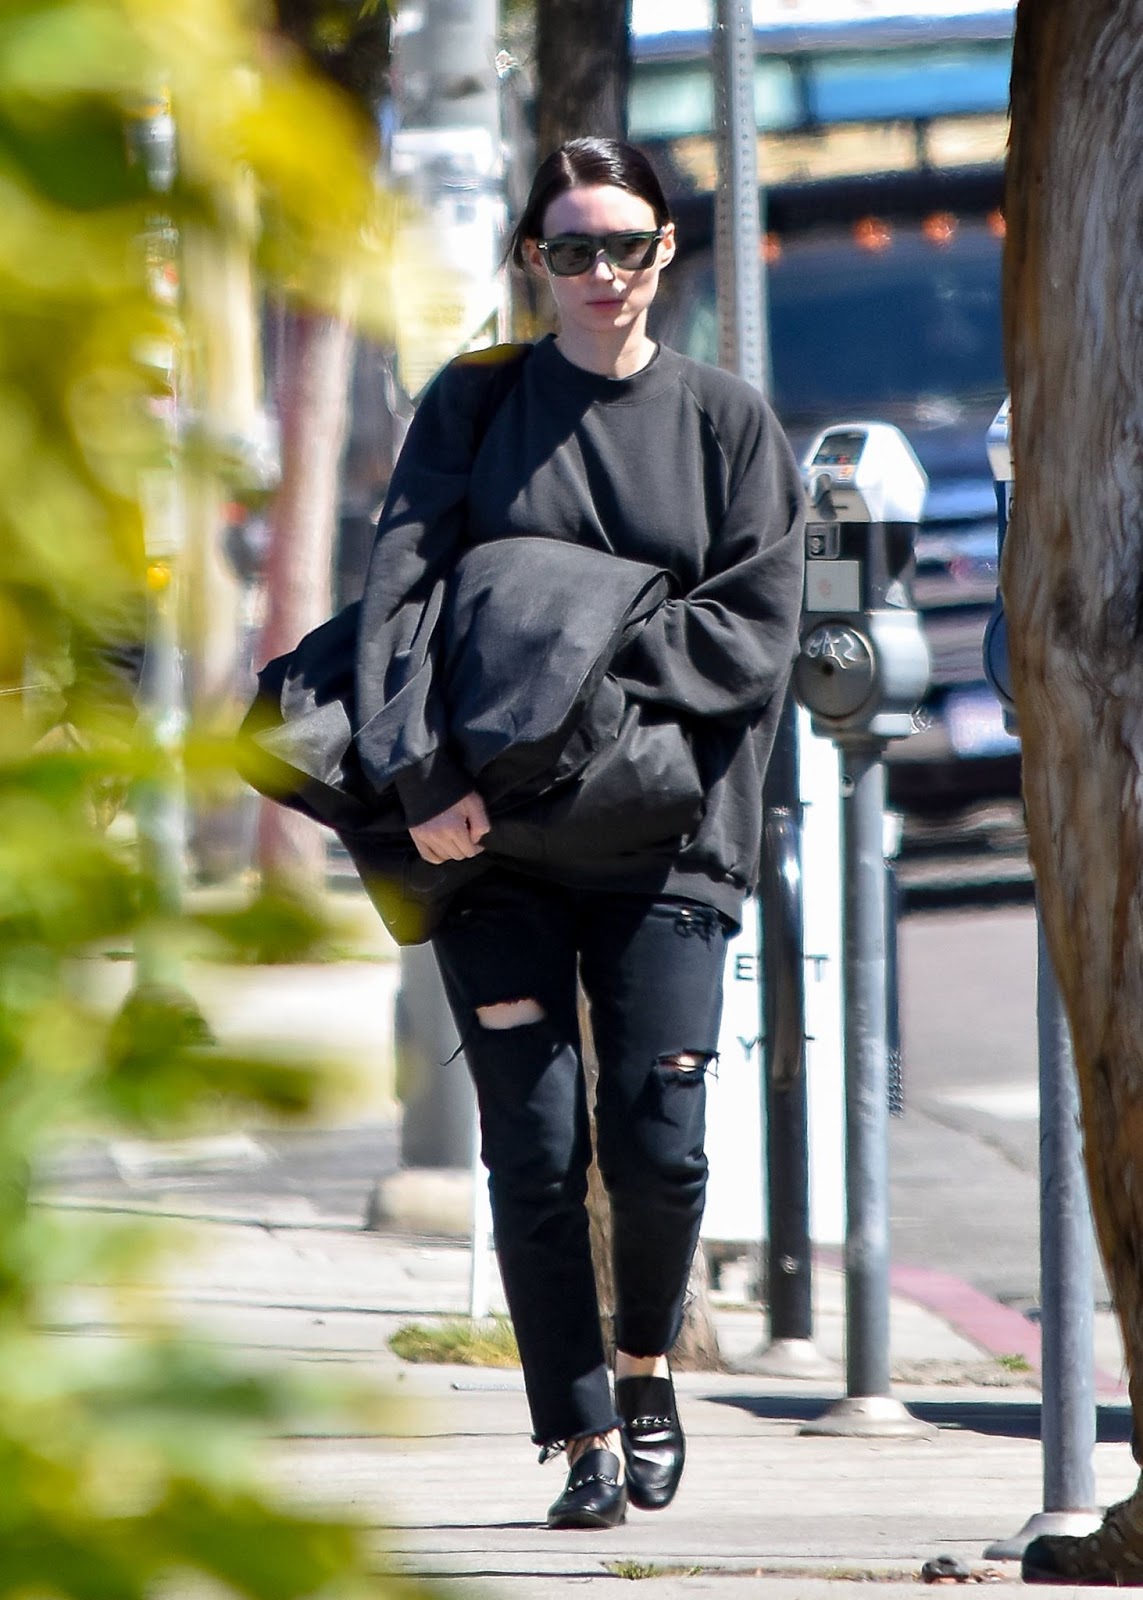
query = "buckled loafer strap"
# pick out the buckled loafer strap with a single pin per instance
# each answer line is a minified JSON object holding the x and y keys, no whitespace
{"x":593,"y":1496}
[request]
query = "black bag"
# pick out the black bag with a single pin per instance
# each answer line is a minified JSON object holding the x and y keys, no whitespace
{"x":295,"y":744}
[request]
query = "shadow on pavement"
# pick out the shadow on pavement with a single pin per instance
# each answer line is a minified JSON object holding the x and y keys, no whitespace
{"x":1010,"y":1419}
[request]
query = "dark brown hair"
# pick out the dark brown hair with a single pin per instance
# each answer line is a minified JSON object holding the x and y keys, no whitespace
{"x":582,"y":164}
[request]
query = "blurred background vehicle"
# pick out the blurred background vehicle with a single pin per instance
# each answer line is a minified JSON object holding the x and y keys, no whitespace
{"x":882,"y":141}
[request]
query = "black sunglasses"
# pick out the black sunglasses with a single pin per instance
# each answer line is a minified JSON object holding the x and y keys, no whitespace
{"x":569,"y":254}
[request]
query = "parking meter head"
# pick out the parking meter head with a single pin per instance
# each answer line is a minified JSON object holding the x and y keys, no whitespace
{"x":999,"y":445}
{"x":835,"y":675}
{"x":864,"y":664}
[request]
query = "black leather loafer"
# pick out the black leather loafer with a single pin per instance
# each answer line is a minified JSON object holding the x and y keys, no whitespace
{"x":653,"y":1444}
{"x":593,"y":1496}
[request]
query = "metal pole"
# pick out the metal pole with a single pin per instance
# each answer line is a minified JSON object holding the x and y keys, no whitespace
{"x":869,"y":1408}
{"x":1067,"y":1406}
{"x":1067,"y":1350}
{"x":743,"y":337}
{"x":896,"y":1073}
{"x":783,"y":1023}
{"x":790,"y":1351}
{"x":866,"y":1083}
{"x":787,"y":1145}
{"x":480,"y":1263}
{"x":1067,"y":1425}
{"x":744,"y":348}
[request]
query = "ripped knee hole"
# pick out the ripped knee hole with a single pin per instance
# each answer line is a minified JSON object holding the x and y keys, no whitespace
{"x":686,"y":1061}
{"x":510,"y":1014}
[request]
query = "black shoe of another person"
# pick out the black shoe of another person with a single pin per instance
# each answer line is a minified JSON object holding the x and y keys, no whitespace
{"x":653,"y":1444}
{"x":593,"y":1496}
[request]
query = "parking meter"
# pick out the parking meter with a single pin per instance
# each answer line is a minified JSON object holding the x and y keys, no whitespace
{"x":996,"y":631}
{"x":861,"y":672}
{"x":864,"y":663}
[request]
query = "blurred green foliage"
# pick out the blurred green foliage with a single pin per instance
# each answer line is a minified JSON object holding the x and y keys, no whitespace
{"x":127,"y":1465}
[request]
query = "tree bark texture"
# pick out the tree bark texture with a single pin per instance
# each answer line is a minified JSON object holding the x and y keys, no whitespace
{"x":581,"y":70}
{"x":1073,"y":566}
{"x":312,"y":380}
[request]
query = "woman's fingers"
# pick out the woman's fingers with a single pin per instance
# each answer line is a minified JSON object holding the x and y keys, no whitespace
{"x":476,"y":816}
{"x":455,"y":834}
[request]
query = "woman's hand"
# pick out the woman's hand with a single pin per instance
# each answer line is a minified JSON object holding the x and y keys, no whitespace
{"x":455,"y":835}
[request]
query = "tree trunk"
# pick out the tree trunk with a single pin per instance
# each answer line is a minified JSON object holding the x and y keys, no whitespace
{"x":312,"y":380}
{"x":582,"y":66}
{"x":1073,"y":567}
{"x":581,"y":69}
{"x":696,"y":1349}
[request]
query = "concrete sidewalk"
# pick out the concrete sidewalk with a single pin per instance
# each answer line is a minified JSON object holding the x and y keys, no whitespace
{"x":281,"y":1269}
{"x":452,"y":1486}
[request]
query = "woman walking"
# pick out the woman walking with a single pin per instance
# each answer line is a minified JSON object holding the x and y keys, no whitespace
{"x":602,"y":439}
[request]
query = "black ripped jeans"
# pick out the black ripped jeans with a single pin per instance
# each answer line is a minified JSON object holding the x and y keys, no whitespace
{"x":652,"y":972}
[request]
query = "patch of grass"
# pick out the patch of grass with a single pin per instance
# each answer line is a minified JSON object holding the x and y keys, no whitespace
{"x":649,"y":1569}
{"x":458,"y":1341}
{"x":1014,"y":1363}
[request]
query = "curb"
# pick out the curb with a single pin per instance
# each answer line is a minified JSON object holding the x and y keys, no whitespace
{"x":995,"y":1327}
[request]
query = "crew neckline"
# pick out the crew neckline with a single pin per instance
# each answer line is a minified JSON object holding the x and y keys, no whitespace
{"x":649,"y":379}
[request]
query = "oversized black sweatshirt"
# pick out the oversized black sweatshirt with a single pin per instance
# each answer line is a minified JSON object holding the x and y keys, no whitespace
{"x":681,"y":466}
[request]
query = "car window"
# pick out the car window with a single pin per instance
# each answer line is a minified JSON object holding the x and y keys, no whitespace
{"x":904,"y":320}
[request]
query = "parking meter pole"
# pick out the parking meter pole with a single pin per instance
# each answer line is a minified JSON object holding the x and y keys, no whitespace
{"x":869,"y":1409}
{"x":1067,"y":1427}
{"x":896,"y":1090}
{"x":1067,"y":1405}
{"x":1067,"y":1345}
{"x":866,"y":1075}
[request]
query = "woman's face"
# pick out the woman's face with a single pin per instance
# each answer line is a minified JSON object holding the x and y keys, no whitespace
{"x":604,"y":298}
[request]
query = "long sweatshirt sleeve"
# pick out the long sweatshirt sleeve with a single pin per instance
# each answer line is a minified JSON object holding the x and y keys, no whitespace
{"x":724,"y":648}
